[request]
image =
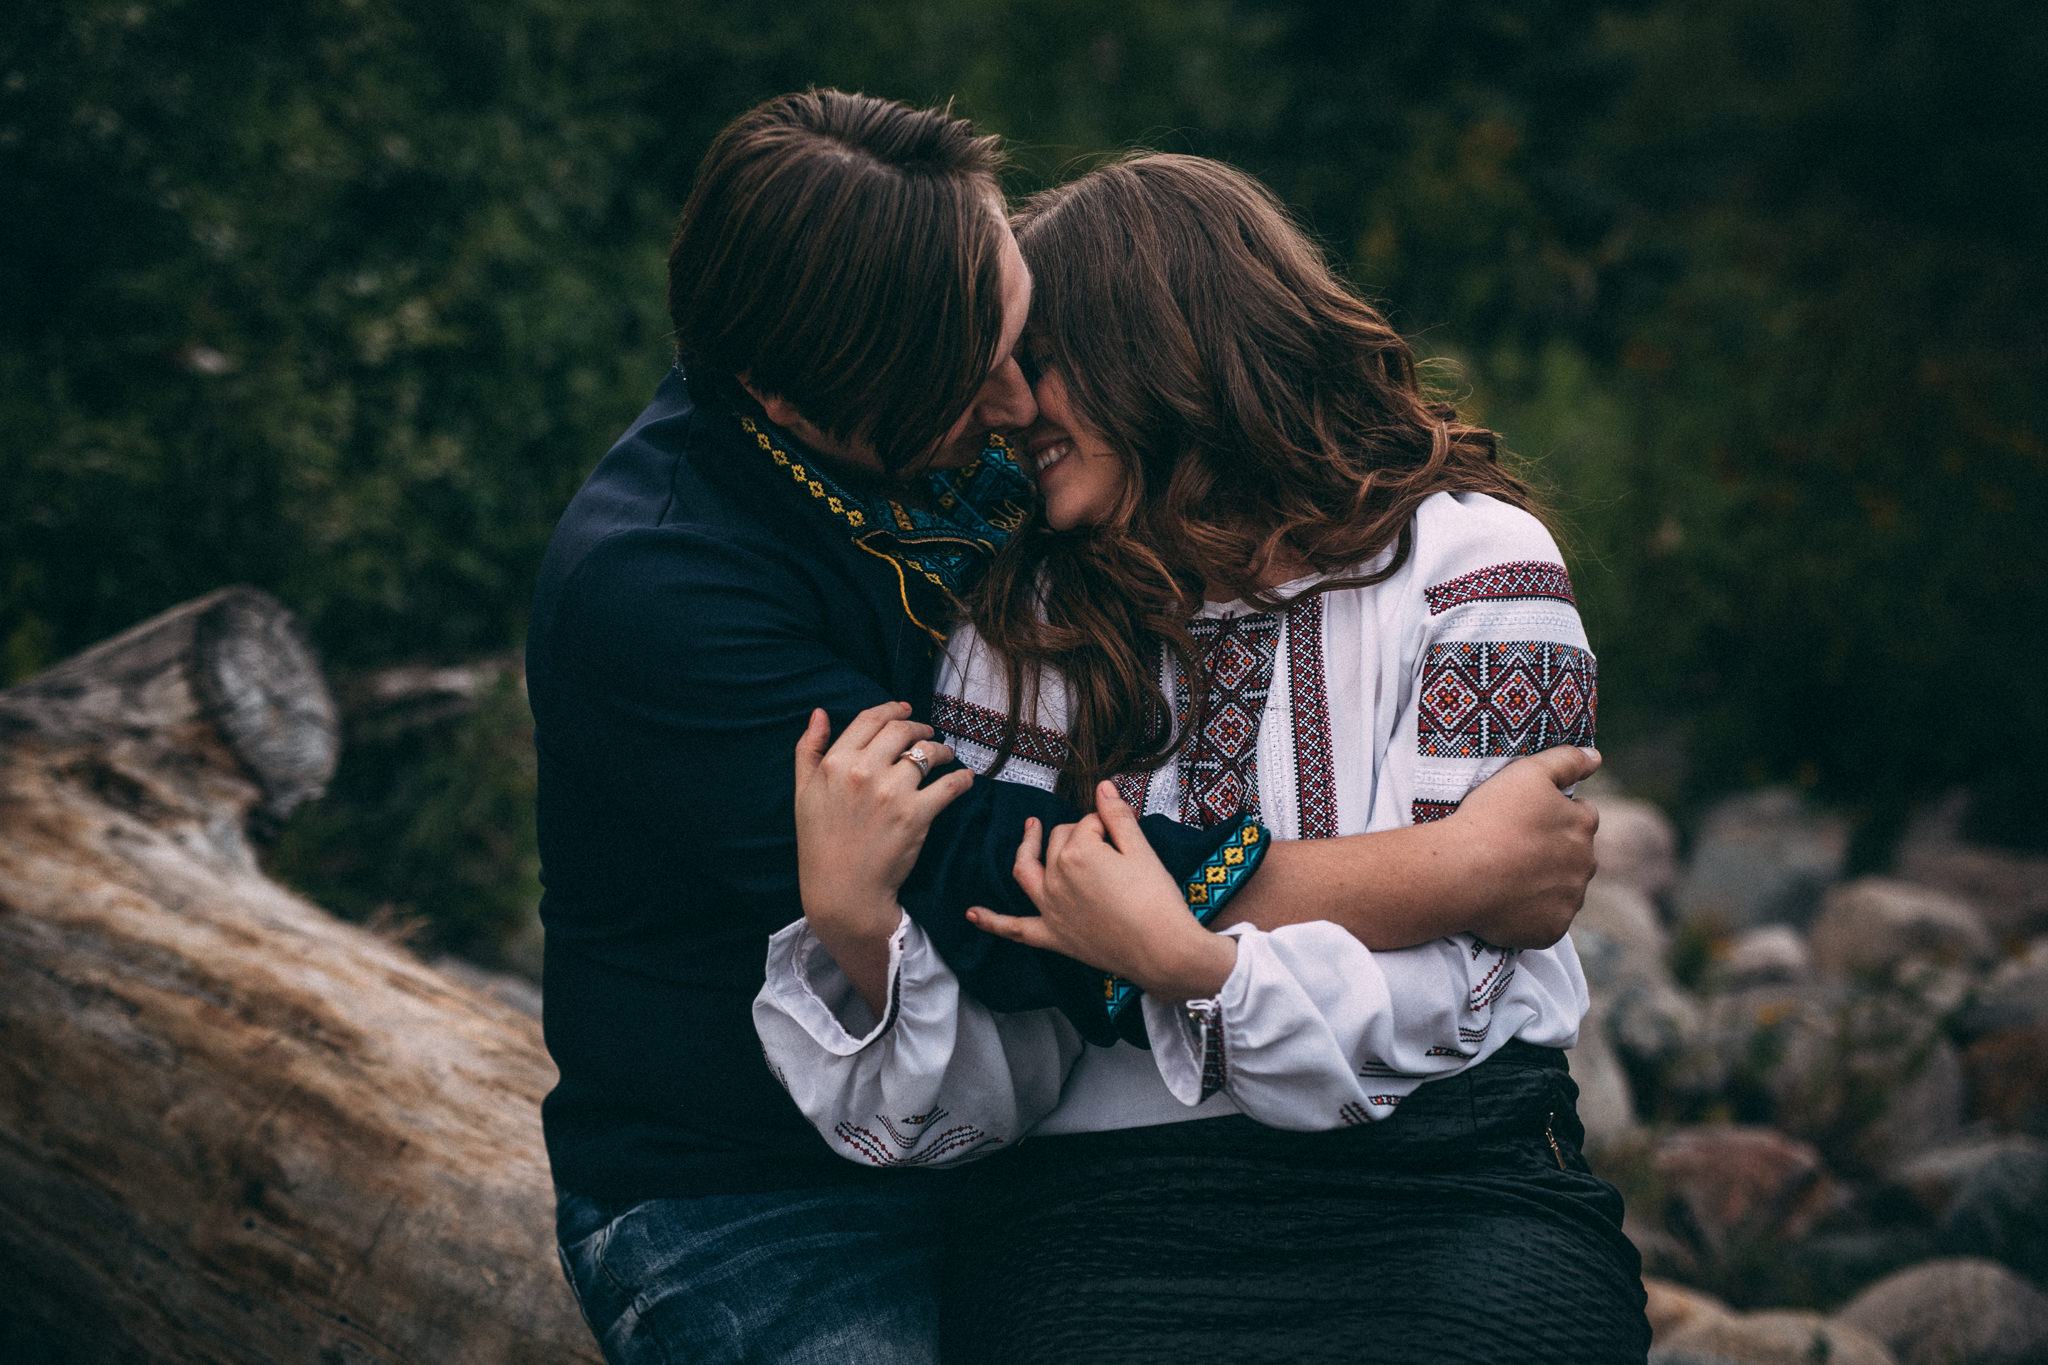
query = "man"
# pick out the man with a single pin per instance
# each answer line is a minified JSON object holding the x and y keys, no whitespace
{"x":782,"y":529}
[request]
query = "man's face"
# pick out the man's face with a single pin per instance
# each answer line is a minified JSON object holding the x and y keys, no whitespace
{"x":1003,"y":403}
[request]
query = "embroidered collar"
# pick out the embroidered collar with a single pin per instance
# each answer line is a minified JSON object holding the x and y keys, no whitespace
{"x":934,"y":550}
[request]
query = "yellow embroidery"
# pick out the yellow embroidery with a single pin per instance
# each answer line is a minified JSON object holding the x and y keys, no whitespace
{"x":1007,"y":516}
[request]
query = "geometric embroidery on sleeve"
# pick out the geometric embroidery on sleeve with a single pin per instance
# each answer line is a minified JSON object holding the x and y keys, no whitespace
{"x":1502,"y":582}
{"x":1494,"y":698}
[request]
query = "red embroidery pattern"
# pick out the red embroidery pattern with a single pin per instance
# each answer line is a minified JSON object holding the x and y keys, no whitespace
{"x":1422,"y":812}
{"x":1502,"y":582}
{"x":1219,"y":769}
{"x":1134,"y":788}
{"x":1353,"y":1113}
{"x":1495,"y":983}
{"x":958,"y":716}
{"x":1315,"y":774}
{"x":1497,"y":698}
{"x":873,"y":1148}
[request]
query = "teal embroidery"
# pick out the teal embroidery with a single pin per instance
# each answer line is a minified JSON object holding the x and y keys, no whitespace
{"x":1207,"y":889}
{"x":937,"y":550}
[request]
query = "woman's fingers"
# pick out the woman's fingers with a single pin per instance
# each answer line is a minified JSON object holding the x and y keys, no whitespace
{"x":810,"y":747}
{"x":1119,"y":821}
{"x":943,"y":793}
{"x":888,"y":743}
{"x":936,"y":756}
{"x":864,"y":726}
{"x":1028,"y":869}
{"x":1028,"y":930}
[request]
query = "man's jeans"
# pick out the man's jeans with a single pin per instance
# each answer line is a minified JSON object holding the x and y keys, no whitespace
{"x":847,"y":1275}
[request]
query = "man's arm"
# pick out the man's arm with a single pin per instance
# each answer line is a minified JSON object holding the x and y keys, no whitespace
{"x":1510,"y":865}
{"x":693,"y":665}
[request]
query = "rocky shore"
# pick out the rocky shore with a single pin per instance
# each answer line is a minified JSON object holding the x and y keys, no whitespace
{"x":1825,"y":1098}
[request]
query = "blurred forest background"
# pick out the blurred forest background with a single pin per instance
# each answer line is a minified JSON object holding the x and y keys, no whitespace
{"x":343,"y":298}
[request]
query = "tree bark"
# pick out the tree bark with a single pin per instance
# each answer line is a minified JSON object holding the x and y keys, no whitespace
{"x":233,"y":1128}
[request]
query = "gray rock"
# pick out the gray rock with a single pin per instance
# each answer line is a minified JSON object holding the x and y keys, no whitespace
{"x":1635,"y":1001}
{"x":1866,"y":1071}
{"x":2009,"y":888}
{"x":1606,"y":1101}
{"x":1924,"y":1107}
{"x":1761,"y":858}
{"x":1769,"y":954}
{"x":1959,"y":1311}
{"x":1730,"y":1185}
{"x":1671,"y":1307}
{"x":1779,"y":1041}
{"x":1875,"y":925}
{"x":1774,"y":1338}
{"x":1986,"y":1198}
{"x":1637,"y":845}
{"x":2015,"y":995}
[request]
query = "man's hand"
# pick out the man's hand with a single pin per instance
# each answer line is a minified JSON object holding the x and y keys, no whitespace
{"x":861,"y":819}
{"x":1105,"y":899}
{"x":1531,"y":845}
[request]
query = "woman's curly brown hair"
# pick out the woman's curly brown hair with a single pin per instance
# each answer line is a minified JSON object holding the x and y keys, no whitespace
{"x":1270,"y":423}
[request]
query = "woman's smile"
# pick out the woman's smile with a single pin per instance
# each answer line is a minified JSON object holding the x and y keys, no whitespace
{"x":1049,"y":452}
{"x":1078,"y":475}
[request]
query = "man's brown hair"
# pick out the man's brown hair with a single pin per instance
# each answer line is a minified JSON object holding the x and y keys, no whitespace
{"x":844,"y":253}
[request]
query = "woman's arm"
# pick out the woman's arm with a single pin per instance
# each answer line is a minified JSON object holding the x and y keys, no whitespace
{"x":1303,"y":1027}
{"x":1510,"y":865}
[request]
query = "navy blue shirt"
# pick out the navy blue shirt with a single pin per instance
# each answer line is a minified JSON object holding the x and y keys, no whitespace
{"x":696,"y":602}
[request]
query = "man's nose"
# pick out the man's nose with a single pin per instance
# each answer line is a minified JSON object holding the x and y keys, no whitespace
{"x":1006,"y":403}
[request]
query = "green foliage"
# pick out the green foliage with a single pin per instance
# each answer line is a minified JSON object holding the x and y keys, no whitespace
{"x":344,"y":298}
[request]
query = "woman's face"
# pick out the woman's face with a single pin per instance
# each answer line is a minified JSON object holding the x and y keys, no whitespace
{"x":1080,"y":477}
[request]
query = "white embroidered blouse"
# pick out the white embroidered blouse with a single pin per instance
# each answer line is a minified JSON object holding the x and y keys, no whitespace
{"x":1358,"y":709}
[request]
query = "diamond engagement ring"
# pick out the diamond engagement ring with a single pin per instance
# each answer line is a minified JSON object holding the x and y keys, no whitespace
{"x":916,"y":754}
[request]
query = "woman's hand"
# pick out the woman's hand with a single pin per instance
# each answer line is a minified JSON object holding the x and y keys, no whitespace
{"x":862,"y":813}
{"x":1105,"y":899}
{"x":1532,"y":844}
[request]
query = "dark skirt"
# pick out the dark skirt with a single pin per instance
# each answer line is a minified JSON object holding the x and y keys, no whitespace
{"x":1464,"y":1228}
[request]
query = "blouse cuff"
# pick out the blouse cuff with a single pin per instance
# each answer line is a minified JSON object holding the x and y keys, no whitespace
{"x":809,"y":986}
{"x":1188,"y":1040}
{"x":1207,"y":890}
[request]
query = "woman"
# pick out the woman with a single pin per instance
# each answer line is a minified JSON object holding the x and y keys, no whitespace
{"x":1268,"y":576}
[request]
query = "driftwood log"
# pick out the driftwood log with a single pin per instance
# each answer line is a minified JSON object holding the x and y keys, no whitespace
{"x":232,"y":1127}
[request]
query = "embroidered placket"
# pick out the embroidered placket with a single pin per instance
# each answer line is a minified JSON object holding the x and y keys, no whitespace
{"x":1220,"y":770}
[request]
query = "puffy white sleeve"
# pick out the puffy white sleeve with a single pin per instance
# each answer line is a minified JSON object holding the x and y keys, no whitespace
{"x":939,"y":1078}
{"x":1312,"y":1029}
